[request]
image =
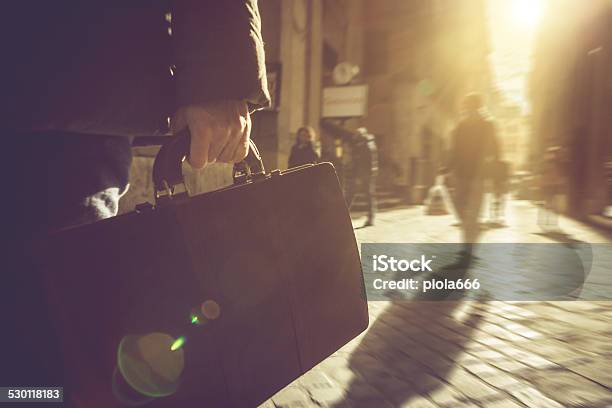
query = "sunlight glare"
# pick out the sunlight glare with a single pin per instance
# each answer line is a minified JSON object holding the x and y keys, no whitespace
{"x":527,"y":12}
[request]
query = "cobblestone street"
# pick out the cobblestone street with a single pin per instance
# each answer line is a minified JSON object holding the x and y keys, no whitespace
{"x":468,"y":353}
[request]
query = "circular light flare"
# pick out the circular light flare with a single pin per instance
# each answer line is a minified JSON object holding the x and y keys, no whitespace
{"x":151,"y":364}
{"x":211,"y":309}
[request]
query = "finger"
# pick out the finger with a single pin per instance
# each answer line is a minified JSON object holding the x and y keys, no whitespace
{"x":227,"y":154}
{"x":201,"y":136}
{"x":219,"y":140}
{"x":234,"y":112}
{"x":242,"y":149}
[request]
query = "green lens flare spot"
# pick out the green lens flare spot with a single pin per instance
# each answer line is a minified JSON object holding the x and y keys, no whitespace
{"x":194,"y":319}
{"x":178,"y":343}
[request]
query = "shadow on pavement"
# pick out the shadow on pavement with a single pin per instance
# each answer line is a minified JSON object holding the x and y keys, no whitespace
{"x":559,"y":236}
{"x":410,"y":350}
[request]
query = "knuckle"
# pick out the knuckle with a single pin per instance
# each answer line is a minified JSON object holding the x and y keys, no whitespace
{"x":197,"y":163}
{"x":234,"y":129}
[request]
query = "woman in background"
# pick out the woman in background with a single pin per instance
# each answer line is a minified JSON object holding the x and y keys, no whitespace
{"x":303,"y":151}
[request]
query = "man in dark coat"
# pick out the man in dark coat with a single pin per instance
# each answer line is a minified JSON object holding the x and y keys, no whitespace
{"x":78,"y":80}
{"x":362,"y":170}
{"x":474,"y":148}
{"x":97,"y":69}
{"x":361,"y":165}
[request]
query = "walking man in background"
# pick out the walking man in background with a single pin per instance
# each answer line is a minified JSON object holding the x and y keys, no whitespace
{"x":500,"y":180}
{"x":362,"y":170}
{"x":473,"y":149}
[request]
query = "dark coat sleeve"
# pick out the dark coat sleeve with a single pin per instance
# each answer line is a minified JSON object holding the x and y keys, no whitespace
{"x":219,"y":52}
{"x":292,"y":157}
{"x":313,"y":156}
{"x":452,"y":152}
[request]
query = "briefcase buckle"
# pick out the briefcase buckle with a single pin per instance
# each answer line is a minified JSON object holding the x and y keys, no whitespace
{"x":169,"y":192}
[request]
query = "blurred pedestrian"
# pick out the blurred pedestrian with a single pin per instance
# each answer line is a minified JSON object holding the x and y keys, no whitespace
{"x":551,"y":186}
{"x":361,"y":171}
{"x":474,"y":147}
{"x":500,"y":179}
{"x":303,"y":151}
{"x":438,"y":199}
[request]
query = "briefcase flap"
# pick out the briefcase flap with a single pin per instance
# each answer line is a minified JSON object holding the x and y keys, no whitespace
{"x":221,"y":299}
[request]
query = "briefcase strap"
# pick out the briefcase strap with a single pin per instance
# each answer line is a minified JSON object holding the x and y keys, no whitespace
{"x":168,"y":179}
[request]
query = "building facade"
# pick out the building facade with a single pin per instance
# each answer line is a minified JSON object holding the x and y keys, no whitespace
{"x":416,"y":57}
{"x":571,"y":93}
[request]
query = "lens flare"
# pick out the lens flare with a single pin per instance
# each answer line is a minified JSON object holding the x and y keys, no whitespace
{"x":178,"y":343}
{"x":527,"y":12}
{"x":151,"y":364}
{"x":194,"y":319}
{"x":211,"y":309}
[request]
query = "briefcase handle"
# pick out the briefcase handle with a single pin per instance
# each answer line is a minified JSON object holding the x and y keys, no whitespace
{"x":168,"y":179}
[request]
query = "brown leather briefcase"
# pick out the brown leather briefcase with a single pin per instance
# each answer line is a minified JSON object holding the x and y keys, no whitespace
{"x":216,"y":300}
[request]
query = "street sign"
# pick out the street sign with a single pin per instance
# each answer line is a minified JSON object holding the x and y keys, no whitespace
{"x":345,"y":101}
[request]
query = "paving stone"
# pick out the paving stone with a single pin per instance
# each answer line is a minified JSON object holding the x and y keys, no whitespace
{"x":598,"y":371}
{"x":506,"y":403}
{"x":530,"y":359}
{"x":424,"y":382}
{"x":488,"y":355}
{"x":389,"y":385}
{"x":493,"y":376}
{"x":292,"y":397}
{"x":592,"y":344}
{"x":342,"y":375}
{"x":267,"y":404}
{"x":418,"y":402}
{"x":360,"y":392}
{"x":466,"y":359}
{"x":498,"y":331}
{"x":315,"y":379}
{"x":509,"y":365}
{"x":492,"y":342}
{"x":446,"y":395}
{"x":522,"y":330}
{"x":555,"y":350}
{"x":577,"y":390}
{"x":382,"y":403}
{"x":327,"y":396}
{"x":470,"y":385}
{"x":533,"y":398}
